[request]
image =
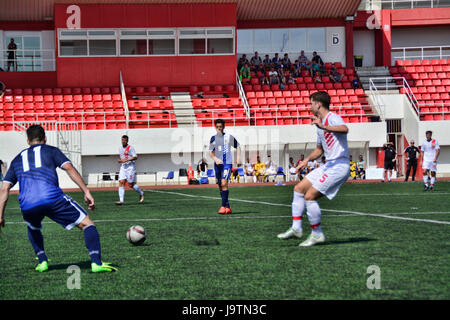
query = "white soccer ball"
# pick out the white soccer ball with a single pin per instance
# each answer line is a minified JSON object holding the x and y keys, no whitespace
{"x":136,"y":235}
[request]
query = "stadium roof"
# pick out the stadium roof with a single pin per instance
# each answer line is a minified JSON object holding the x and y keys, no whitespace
{"x":247,"y":10}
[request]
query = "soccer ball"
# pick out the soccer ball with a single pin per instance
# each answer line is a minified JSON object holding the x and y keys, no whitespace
{"x":136,"y":235}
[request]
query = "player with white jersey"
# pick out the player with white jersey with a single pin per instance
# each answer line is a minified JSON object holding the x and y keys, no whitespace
{"x":324,"y":180}
{"x":127,"y":173}
{"x":429,"y":152}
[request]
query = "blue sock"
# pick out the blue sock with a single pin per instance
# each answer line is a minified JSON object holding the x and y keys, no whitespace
{"x":37,"y":241}
{"x":224,"y":202}
{"x":225,"y":195}
{"x":92,"y":241}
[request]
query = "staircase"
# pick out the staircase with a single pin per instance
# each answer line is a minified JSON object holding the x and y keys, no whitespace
{"x":385,"y":85}
{"x":182,"y":105}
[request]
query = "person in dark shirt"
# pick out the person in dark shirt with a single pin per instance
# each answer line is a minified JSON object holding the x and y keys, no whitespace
{"x":2,"y":169}
{"x":390,"y":156}
{"x":317,"y":59}
{"x":12,"y":47}
{"x":411,"y":156}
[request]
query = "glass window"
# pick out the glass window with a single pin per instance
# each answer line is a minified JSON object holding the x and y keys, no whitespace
{"x":134,"y":33}
{"x":316,"y":39}
{"x":102,"y":33}
{"x":221,"y":32}
{"x":192,"y":46}
{"x":133,"y":47}
{"x":102,"y":47}
{"x":297,"y":40}
{"x":245,"y":41}
{"x":192,"y":32}
{"x":161,"y":33}
{"x":73,"y":47}
{"x":217,"y":46}
{"x":280,"y":40}
{"x":161,"y":46}
{"x":262,"y":41}
{"x":72,"y":33}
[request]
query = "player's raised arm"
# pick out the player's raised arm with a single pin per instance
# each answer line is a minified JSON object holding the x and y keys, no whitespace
{"x":76,"y":177}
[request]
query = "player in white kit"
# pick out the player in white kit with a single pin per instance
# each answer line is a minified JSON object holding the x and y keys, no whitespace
{"x":127,"y":171}
{"x":429,"y":152}
{"x":324,"y":180}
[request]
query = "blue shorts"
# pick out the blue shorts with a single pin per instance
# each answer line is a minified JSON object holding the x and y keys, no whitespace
{"x":223,"y":172}
{"x":64,"y":211}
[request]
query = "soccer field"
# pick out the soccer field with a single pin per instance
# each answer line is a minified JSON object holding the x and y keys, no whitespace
{"x":191,"y":252}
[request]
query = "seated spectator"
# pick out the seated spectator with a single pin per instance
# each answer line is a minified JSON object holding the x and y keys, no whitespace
{"x":235,"y":177}
{"x":353,"y":172}
{"x":303,"y":60}
{"x":317,"y":78}
{"x":286,"y":61}
{"x":361,"y":167}
{"x":271,"y":167}
{"x":273,"y":76}
{"x":305,"y":170}
{"x":255,"y":60}
{"x":318,"y":60}
{"x":244,"y":73}
{"x":202,"y":168}
{"x":260,"y":170}
{"x":267,"y":62}
{"x":242,"y":61}
{"x":2,"y":89}
{"x":297,"y":70}
{"x":292,"y":170}
{"x":314,"y":68}
{"x":355,"y":83}
{"x":335,"y":75}
{"x":249,"y":170}
{"x":276,"y":59}
{"x":323,"y":161}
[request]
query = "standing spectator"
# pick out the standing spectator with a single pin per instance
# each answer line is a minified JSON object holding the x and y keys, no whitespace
{"x":360,"y":164}
{"x":276,"y":59}
{"x":242,"y":61}
{"x":267,"y":62}
{"x":335,"y":75}
{"x":12,"y":60}
{"x":255,"y":60}
{"x":244,"y":73}
{"x":2,"y":89}
{"x":390,"y":156}
{"x":2,"y":169}
{"x":304,"y":62}
{"x":286,"y":61}
{"x":411,"y":156}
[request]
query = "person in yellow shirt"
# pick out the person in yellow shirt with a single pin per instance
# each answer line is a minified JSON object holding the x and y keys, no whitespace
{"x":353,"y":171}
{"x":260,"y":170}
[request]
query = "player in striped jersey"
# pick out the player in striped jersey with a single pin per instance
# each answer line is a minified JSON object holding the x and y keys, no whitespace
{"x":325,"y":180}
{"x":40,"y":196}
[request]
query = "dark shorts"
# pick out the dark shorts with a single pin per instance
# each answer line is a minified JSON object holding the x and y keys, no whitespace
{"x":389,"y":165}
{"x":64,"y":211}
{"x":223,"y":172}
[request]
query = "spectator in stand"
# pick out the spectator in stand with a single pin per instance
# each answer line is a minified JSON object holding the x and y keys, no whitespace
{"x":242,"y":61}
{"x":260,"y":170}
{"x":355,"y":83}
{"x":249,"y":170}
{"x":292,"y":169}
{"x":335,"y":75}
{"x":244,"y":74}
{"x":12,"y":60}
{"x":318,"y":60}
{"x":267,"y":62}
{"x":2,"y":169}
{"x":353,"y":168}
{"x":276,"y":59}
{"x":304,"y":62}
{"x":361,"y":167}
{"x":297,"y":71}
{"x":305,"y":170}
{"x":323,"y":161}
{"x":263,"y":75}
{"x":2,"y":89}
{"x":314,"y":68}
{"x":286,"y":61}
{"x":317,"y":78}
{"x":273,"y":76}
{"x":255,"y":60}
{"x":202,"y":168}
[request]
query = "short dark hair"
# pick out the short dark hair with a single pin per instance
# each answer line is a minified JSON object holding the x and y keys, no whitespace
{"x":219,"y":121}
{"x":125,"y":137}
{"x":35,"y":133}
{"x":429,"y":132}
{"x":323,"y":97}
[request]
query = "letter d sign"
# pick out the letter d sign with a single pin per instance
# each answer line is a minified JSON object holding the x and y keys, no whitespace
{"x":74,"y":20}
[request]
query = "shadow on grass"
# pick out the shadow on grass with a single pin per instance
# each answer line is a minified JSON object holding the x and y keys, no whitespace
{"x":84,"y":265}
{"x":350,"y":240}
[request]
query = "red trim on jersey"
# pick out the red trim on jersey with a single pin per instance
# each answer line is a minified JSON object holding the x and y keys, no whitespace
{"x":127,"y":149}
{"x":326,"y":119}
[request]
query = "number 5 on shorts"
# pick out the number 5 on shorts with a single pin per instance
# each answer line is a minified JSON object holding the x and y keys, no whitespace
{"x":324,"y":177}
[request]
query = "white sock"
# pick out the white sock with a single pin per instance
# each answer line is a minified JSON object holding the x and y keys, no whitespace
{"x":433,"y":180}
{"x":136,"y":188}
{"x":254,"y":179}
{"x":425,"y":180}
{"x":314,"y":215}
{"x":121,"y":193}
{"x":298,"y":206}
{"x":389,"y":175}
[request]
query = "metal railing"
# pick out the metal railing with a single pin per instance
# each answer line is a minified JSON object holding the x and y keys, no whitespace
{"x":420,"y":53}
{"x":233,"y":117}
{"x":242,"y":95}
{"x":402,"y":4}
{"x":434,"y":111}
{"x":28,"y":60}
{"x":152,"y":119}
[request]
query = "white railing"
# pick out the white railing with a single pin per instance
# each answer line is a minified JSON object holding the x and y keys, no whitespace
{"x":434,"y":111}
{"x":149,"y":119}
{"x":402,"y":4}
{"x":124,"y":99}
{"x":420,"y":53}
{"x":28,"y":60}
{"x":242,"y":95}
{"x":391,"y":83}
{"x":233,"y":117}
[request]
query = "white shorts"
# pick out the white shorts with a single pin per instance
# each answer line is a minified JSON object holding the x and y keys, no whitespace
{"x":430,"y":166}
{"x":329,"y":178}
{"x":128,"y":174}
